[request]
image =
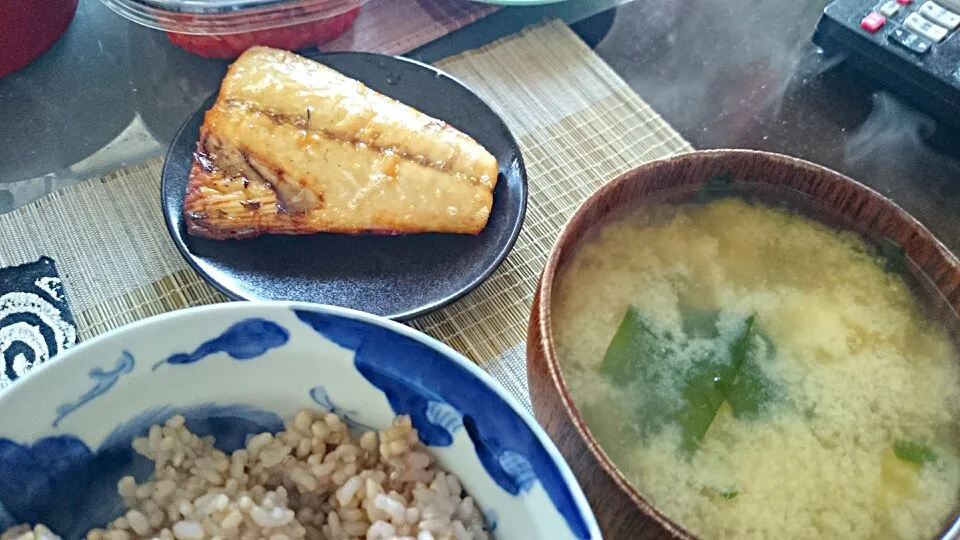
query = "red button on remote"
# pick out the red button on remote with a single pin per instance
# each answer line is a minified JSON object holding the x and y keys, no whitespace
{"x":873,"y":22}
{"x":903,"y":2}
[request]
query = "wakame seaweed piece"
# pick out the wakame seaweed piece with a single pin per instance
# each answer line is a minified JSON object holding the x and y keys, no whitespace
{"x":708,"y":384}
{"x":700,"y":323}
{"x":751,"y":388}
{"x":638,"y":355}
{"x":730,"y":372}
{"x":914,"y":452}
{"x":750,"y":391}
{"x":716,"y":187}
{"x":721,"y":493}
{"x":702,"y":397}
{"x":725,"y":370}
{"x":633,"y":348}
{"x":894,"y":258}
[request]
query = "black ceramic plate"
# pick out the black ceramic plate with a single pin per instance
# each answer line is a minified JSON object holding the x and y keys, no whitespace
{"x":395,"y":276}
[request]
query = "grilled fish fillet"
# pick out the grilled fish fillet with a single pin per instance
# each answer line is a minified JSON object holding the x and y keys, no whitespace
{"x":294,"y":147}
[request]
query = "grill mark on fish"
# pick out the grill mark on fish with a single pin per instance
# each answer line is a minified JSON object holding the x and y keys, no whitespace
{"x":292,"y":198}
{"x":304,"y":124}
{"x":202,"y":159}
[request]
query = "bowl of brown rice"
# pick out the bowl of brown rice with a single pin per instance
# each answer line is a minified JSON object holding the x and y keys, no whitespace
{"x":276,"y":420}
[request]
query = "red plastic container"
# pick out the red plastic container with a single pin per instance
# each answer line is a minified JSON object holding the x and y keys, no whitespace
{"x":29,"y":27}
{"x":226,"y":28}
{"x":298,"y":36}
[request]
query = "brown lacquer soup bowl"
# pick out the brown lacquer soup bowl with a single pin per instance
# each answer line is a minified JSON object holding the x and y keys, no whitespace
{"x":929,"y":268}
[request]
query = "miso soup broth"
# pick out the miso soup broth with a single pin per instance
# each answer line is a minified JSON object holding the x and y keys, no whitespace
{"x":756,"y":374}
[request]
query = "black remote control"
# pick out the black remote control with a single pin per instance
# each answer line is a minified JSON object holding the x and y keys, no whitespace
{"x":909,"y":46}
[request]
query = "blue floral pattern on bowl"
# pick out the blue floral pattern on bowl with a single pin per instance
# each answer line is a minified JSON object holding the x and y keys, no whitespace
{"x":238,"y":369}
{"x":321,"y":397}
{"x":36,"y":479}
{"x":103,"y":380}
{"x":244,"y":340}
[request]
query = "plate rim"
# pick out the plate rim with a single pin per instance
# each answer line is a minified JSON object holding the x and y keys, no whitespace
{"x":503,"y":250}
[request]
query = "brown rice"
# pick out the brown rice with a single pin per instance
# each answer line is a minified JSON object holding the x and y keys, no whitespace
{"x":313,"y":480}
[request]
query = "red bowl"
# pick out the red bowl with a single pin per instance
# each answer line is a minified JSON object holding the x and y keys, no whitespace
{"x":29,"y":27}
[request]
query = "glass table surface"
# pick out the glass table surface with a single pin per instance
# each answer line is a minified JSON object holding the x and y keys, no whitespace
{"x":734,"y":74}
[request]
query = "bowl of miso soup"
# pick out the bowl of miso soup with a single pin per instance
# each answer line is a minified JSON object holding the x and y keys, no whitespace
{"x":736,"y":344}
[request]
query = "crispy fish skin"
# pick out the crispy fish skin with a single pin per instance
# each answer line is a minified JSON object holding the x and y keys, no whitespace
{"x":294,"y":147}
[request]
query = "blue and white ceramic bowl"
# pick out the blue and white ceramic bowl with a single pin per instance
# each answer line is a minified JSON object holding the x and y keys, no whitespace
{"x":240,"y":368}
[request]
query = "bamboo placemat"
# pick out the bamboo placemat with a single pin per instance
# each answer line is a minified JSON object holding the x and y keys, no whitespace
{"x":578,"y":125}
